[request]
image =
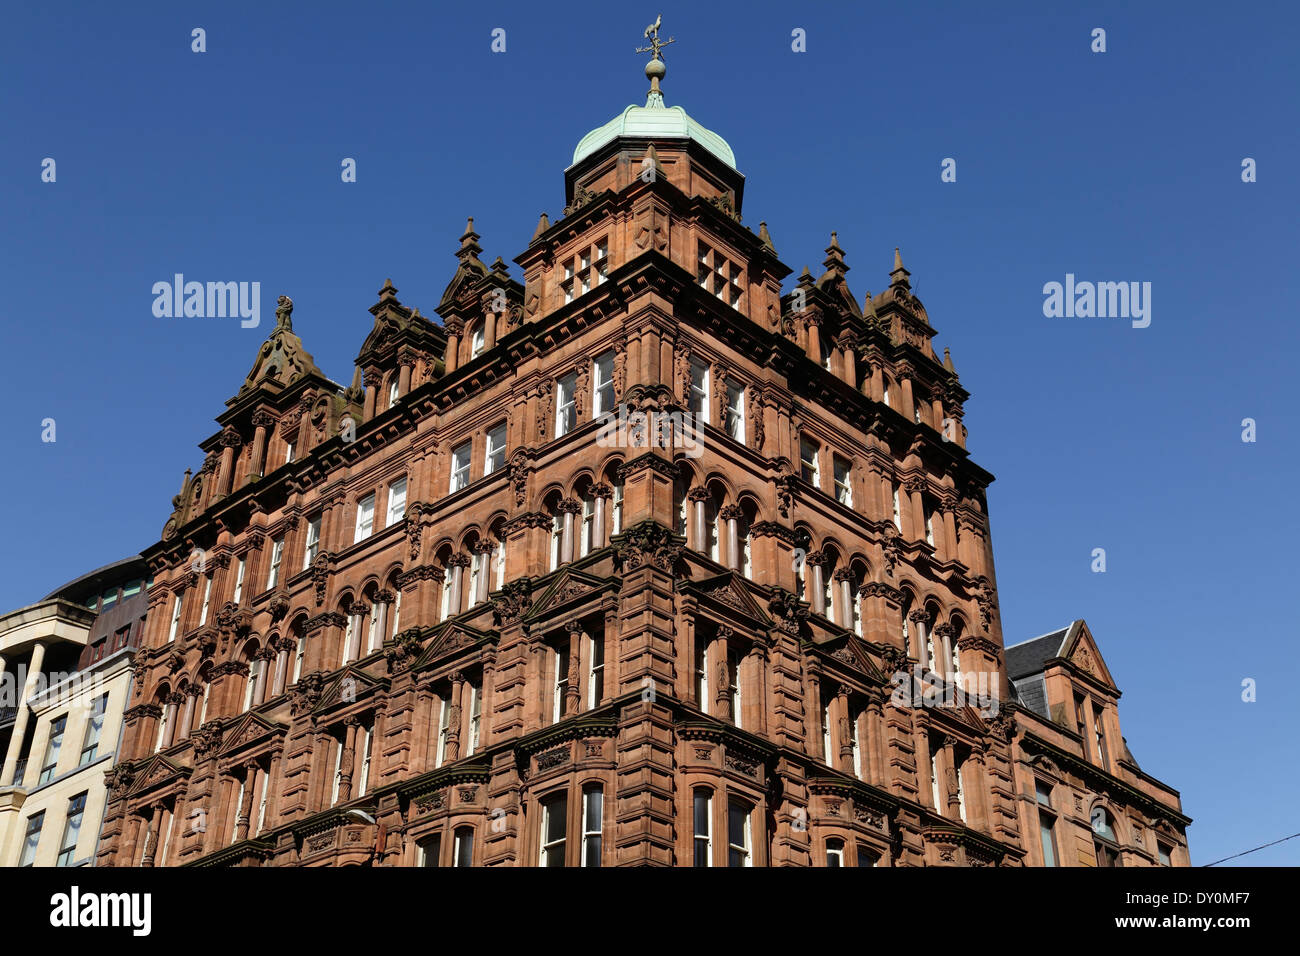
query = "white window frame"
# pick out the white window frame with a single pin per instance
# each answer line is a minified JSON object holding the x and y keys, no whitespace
{"x":593,"y":794}
{"x":443,"y":719}
{"x":566,"y":404}
{"x":277,"y":555}
{"x":365,"y":518}
{"x":560,"y":845}
{"x":495,"y":448}
{"x":396,"y":501}
{"x":843,"y":485}
{"x":813,"y":465}
{"x":239,"y":581}
{"x":475,"y":717}
{"x":559,"y":682}
{"x":746,"y":848}
{"x":460,"y":460}
{"x":176,"y":617}
{"x":392,"y":393}
{"x":707,"y":836}
{"x":312,"y":546}
{"x":602,"y":379}
{"x":734,"y":415}
{"x":207,"y":599}
{"x":700,"y":388}
{"x":364,"y":779}
{"x":595,"y":669}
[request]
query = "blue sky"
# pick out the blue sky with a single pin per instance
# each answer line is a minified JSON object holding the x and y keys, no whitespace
{"x":1115,"y":166}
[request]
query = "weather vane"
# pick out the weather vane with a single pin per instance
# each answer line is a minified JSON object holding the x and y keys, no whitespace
{"x":652,"y":34}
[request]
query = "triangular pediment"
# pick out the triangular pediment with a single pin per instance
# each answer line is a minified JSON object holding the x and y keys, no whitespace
{"x":349,"y":687}
{"x":448,"y":638}
{"x":1080,"y":649}
{"x":248,"y":730}
{"x":728,"y":594}
{"x":852,"y":652}
{"x":570,"y":587}
{"x":157,"y":772}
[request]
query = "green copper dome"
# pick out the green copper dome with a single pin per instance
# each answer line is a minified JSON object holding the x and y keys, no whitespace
{"x":654,"y":121}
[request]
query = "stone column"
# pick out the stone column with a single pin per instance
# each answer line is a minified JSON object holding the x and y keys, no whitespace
{"x":372,"y":379}
{"x":406,"y":363}
{"x":454,"y":328}
{"x":845,"y":742}
{"x":815,"y":560}
{"x":843,"y":594}
{"x":262,"y":421}
{"x":187,"y":719}
{"x":568,"y":508}
{"x":349,"y":758}
{"x":814,"y":321}
{"x":698,"y":496}
{"x":151,"y":835}
{"x":454,"y":712}
{"x":230,"y":441}
{"x":484,"y":549}
{"x":459,"y":562}
{"x":24,"y":713}
{"x":245,"y":811}
{"x":573,"y":691}
{"x":722,"y":674}
{"x":732,"y":515}
{"x":599,"y":531}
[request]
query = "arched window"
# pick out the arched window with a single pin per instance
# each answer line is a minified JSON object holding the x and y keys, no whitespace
{"x":834,"y":852}
{"x":593,"y":817}
{"x":702,"y":825}
{"x":1104,"y":840}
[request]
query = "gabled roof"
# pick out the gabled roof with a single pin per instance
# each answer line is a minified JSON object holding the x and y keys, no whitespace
{"x":1031,"y":657}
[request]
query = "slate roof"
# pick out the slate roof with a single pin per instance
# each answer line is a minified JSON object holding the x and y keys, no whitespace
{"x":1031,"y":657}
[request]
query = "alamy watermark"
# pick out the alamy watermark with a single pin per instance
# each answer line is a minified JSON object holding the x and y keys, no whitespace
{"x":1103,"y":300}
{"x":213,"y":300}
{"x":922,"y":687}
{"x":677,"y":430}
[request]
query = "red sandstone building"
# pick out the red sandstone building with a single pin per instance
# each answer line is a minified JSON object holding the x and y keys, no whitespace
{"x":448,"y":615}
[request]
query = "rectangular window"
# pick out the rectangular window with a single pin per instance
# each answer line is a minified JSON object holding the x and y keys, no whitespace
{"x":566,"y":407}
{"x":463,"y":847}
{"x":239,"y":581}
{"x":1043,"y":794}
{"x":396,"y":502}
{"x":703,"y":814}
{"x":835,"y":853}
{"x":559,"y":689}
{"x":313,"y":543}
{"x":1102,"y":755}
{"x":365,"y":518}
{"x":477,"y":342}
{"x":735,"y":423}
{"x":809,"y":469}
{"x":32,"y":838}
{"x":94,"y":727}
{"x":290,"y":452}
{"x":475,"y":716}
{"x":602,"y":389}
{"x":52,"y":748}
{"x":555,"y":811}
{"x":176,"y":618}
{"x":595,"y":671}
{"x":443,"y":718}
{"x":430,"y":850}
{"x":593,"y":811}
{"x":827,"y":751}
{"x":602,"y":260}
{"x":700,"y":390}
{"x":585,"y":544}
{"x":338,"y":775}
{"x":738,"y":836}
{"x":460,"y":467}
{"x":297,"y":660}
{"x":1165,"y":854}
{"x":392,"y":393}
{"x":1047,"y":835}
{"x":702,"y":676}
{"x":277,"y":553}
{"x":71,"y":830}
{"x":857,"y":753}
{"x":363,"y":778}
{"x":898,"y":514}
{"x":207,"y":599}
{"x":495,"y":458}
{"x":843,"y":484}
{"x":733,"y":669}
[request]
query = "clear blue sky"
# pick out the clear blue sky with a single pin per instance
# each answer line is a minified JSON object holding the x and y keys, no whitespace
{"x":1122,"y":166}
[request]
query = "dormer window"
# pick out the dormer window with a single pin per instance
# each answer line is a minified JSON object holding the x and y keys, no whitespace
{"x":476,"y":344}
{"x":588,"y":268}
{"x":715,"y":274}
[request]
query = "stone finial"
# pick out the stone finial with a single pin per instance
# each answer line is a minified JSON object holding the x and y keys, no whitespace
{"x":542,"y":225}
{"x":766,"y":237}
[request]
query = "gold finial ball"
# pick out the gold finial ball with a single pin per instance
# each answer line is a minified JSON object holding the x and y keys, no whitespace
{"x":655,"y":69}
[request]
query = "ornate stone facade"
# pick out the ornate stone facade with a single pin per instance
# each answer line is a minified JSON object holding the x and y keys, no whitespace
{"x":463,"y":621}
